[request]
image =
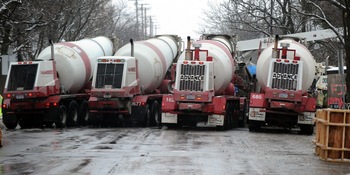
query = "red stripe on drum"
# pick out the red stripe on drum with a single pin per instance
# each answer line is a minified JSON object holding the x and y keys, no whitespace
{"x":221,"y":46}
{"x":84,"y":57}
{"x":158,"y":52}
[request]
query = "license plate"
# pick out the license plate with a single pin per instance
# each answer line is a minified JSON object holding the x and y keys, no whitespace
{"x":190,"y":97}
{"x":19,"y":96}
{"x":108,"y":86}
{"x":107,"y":96}
{"x":283,"y":95}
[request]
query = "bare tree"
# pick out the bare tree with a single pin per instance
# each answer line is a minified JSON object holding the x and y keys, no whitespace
{"x":37,"y":21}
{"x":252,"y":19}
{"x":30,"y":24}
{"x":323,"y":17}
{"x":7,"y":32}
{"x":119,"y":22}
{"x":267,"y":17}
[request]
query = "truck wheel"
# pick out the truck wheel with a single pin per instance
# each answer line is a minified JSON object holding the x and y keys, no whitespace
{"x":254,"y":126}
{"x":234,"y":115}
{"x":230,"y":120}
{"x":39,"y":121}
{"x":230,"y":117}
{"x":48,"y":124}
{"x":10,"y":125}
{"x":9,"y":122}
{"x":243,"y":119}
{"x":61,"y":120}
{"x":73,"y":113}
{"x":24,"y":122}
{"x":155,"y":114}
{"x":146,"y":120}
{"x":225,"y":126}
{"x":306,"y":129}
{"x":84,"y":114}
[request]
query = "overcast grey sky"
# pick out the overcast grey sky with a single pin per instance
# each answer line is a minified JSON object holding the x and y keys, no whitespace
{"x":181,"y":17}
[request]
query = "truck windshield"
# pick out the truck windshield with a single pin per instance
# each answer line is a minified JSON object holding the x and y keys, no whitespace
{"x":22,"y":77}
{"x":109,"y":75}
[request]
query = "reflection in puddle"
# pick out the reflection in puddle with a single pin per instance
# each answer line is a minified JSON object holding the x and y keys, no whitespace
{"x":16,"y":168}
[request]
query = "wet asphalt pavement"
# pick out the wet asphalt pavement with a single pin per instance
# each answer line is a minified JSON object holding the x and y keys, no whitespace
{"x":160,"y":151}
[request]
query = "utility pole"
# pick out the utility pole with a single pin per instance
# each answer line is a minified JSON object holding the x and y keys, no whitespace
{"x":142,"y":28}
{"x":143,"y":9}
{"x":155,"y":29}
{"x":153,"y":26}
{"x":271,"y":15}
{"x":145,"y":16}
{"x":340,"y":56}
{"x":156,"y":26}
{"x":150,"y":27}
{"x":137,"y":19}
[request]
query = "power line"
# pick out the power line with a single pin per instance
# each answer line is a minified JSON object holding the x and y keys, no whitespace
{"x":137,"y":34}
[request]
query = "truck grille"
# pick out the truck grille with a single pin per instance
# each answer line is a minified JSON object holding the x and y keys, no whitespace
{"x":285,"y":76}
{"x":192,"y":77}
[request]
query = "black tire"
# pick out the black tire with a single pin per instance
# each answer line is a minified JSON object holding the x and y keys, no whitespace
{"x":10,"y":121}
{"x":25,"y":123}
{"x":62,"y":117}
{"x":84,"y":114}
{"x":234,"y":114}
{"x":73,"y":113}
{"x":147,"y":117}
{"x":155,"y":114}
{"x":243,"y":121}
{"x":254,"y":126}
{"x":36,"y":120}
{"x":230,"y":116}
{"x":306,"y":129}
{"x":10,"y":125}
{"x":48,"y":124}
{"x":225,"y":125}
{"x":93,"y":120}
{"x":230,"y":122}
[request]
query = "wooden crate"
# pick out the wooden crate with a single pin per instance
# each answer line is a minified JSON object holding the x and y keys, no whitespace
{"x":0,"y":137}
{"x":333,"y":135}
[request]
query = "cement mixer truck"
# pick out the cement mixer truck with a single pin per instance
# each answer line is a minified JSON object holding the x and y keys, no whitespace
{"x":55,"y":87}
{"x":285,"y":71}
{"x":127,"y":88}
{"x":203,"y":91}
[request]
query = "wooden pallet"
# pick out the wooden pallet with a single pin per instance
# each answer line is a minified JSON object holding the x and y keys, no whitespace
{"x":333,"y":135}
{"x":0,"y":138}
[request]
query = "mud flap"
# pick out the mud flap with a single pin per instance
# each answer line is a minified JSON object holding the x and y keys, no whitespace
{"x":169,"y":118}
{"x":215,"y":120}
{"x":255,"y":114}
{"x":306,"y":118}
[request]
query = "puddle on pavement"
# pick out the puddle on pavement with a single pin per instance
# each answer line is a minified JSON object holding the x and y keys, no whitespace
{"x":16,"y":168}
